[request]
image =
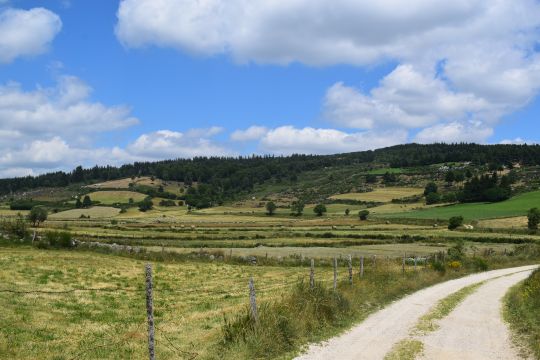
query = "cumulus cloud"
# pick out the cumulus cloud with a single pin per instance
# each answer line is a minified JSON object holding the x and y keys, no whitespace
{"x":308,"y":140}
{"x":251,"y":133}
{"x":458,"y":61}
{"x":26,"y":32}
{"x":63,"y":110}
{"x":454,"y":132}
{"x":164,"y":144}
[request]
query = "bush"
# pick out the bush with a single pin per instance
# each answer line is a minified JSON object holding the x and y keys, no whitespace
{"x":363,"y":214}
{"x":430,"y":188}
{"x":479,"y":264}
{"x":146,"y":204}
{"x":455,"y":265}
{"x":439,"y":267}
{"x":55,"y":239}
{"x":167,"y":203}
{"x":455,"y":222}
{"x":17,"y":227}
{"x":319,"y":209}
{"x":432,"y":198}
{"x":533,"y":217}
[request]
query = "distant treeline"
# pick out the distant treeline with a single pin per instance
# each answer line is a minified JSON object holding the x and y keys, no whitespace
{"x":227,"y":177}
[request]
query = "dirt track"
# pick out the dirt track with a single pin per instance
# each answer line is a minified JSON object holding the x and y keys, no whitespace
{"x":376,"y":336}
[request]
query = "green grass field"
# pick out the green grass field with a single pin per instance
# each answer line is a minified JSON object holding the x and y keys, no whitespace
{"x":119,"y":196}
{"x":96,"y":212}
{"x":385,"y":194}
{"x":386,"y":170}
{"x":516,"y":206}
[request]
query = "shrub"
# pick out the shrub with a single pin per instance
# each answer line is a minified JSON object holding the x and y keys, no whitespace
{"x":55,"y":239}
{"x":363,"y":214}
{"x":533,"y":217}
{"x":433,"y":198}
{"x":455,"y":265}
{"x":146,"y":204}
{"x":17,"y":227}
{"x":319,"y":209}
{"x":439,"y":267}
{"x":430,"y":188}
{"x":455,"y":222}
{"x":479,"y":264}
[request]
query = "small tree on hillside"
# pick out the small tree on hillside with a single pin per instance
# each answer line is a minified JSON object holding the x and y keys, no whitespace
{"x":297,"y":208}
{"x":347,"y":212}
{"x":533,"y":217}
{"x":37,"y":215}
{"x":87,"y":202}
{"x":78,"y":203}
{"x":270,"y":208}
{"x":319,"y":209}
{"x":363,"y":214}
{"x":455,"y":222}
{"x":430,"y":188}
{"x":146,"y":204}
{"x":432,"y":198}
{"x":450,"y":177}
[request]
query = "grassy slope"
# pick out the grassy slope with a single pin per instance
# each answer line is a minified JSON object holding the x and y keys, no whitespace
{"x":516,"y":206}
{"x":190,"y":299}
{"x":522,"y":310}
{"x":381,"y":194}
{"x":120,"y":196}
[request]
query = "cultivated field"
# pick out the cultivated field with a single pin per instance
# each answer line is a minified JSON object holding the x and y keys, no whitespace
{"x":113,"y":197}
{"x":381,"y":194}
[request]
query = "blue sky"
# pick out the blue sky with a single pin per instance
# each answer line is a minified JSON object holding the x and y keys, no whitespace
{"x":109,"y":82}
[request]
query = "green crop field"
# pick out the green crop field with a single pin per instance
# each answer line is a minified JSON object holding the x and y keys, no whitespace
{"x":93,"y":212}
{"x":386,"y":170}
{"x":516,"y":206}
{"x":385,"y":194}
{"x":119,"y":196}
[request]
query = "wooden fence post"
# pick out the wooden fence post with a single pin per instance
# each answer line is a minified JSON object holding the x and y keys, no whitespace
{"x":374,"y":261}
{"x":415,"y":261}
{"x":362,"y":266}
{"x":335,"y":273}
{"x":403,"y":265}
{"x":253,"y":301}
{"x":350,"y":269}
{"x":150,"y":311}
{"x":312,"y":275}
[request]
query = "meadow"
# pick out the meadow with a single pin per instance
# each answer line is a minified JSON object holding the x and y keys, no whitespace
{"x":89,"y":302}
{"x":516,"y":206}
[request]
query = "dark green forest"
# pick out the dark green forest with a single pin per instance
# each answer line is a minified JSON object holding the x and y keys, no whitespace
{"x":223,"y":178}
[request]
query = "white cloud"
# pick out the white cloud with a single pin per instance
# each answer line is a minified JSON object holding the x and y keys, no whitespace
{"x":308,"y":140}
{"x":517,"y":141}
{"x":454,"y":132}
{"x":165,"y":144}
{"x":252,"y":133}
{"x":320,"y":32}
{"x":459,"y":61}
{"x":26,"y":32}
{"x":64,"y":110}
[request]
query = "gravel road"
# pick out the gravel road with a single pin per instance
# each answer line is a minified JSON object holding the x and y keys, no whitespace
{"x":475,"y":329}
{"x":374,"y":337}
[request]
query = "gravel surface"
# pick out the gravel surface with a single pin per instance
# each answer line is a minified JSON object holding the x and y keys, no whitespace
{"x":475,"y":329}
{"x":374,"y":337}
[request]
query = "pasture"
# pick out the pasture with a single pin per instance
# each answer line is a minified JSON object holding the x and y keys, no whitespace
{"x":109,"y":322}
{"x":95,"y":212}
{"x":117,"y":196}
{"x":385,"y":194}
{"x":516,"y":206}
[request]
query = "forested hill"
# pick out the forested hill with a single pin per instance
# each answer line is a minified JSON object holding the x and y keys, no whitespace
{"x":232,"y":175}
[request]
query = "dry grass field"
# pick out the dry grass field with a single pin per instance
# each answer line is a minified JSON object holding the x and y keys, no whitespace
{"x":95,"y":212}
{"x":385,"y":194}
{"x":118,"y":196}
{"x":190,"y":302}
